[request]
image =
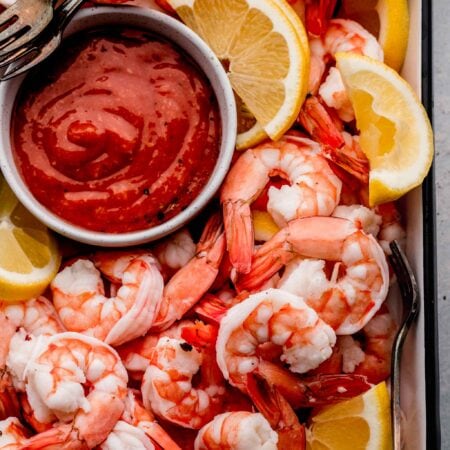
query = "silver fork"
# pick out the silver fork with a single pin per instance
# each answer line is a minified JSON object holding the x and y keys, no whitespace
{"x":410,"y":300}
{"x":44,"y":45}
{"x":22,"y":22}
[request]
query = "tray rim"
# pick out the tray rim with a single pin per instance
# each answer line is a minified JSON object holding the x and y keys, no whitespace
{"x":433,"y":432}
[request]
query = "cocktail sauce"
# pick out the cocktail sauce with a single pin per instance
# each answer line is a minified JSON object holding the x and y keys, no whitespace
{"x":118,"y":132}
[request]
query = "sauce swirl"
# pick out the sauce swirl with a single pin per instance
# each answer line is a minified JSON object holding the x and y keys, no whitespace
{"x":118,"y":132}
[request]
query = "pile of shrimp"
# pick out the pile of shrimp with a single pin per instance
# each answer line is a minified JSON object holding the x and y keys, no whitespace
{"x":223,"y":340}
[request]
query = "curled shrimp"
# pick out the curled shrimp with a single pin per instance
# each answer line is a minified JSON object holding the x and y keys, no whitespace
{"x":168,"y":388}
{"x":369,"y":352}
{"x":342,"y":35}
{"x":360,"y":280}
{"x":12,"y":434}
{"x":192,"y":281}
{"x":79,"y":297}
{"x":78,"y":381}
{"x":137,"y":429}
{"x":136,"y":354}
{"x":314,"y":190}
{"x":236,"y":430}
{"x":277,"y":317}
{"x":35,"y":317}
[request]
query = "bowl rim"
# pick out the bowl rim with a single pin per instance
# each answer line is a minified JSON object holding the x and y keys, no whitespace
{"x":187,"y":40}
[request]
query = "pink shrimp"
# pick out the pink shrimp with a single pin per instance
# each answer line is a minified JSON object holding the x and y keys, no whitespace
{"x":314,"y":190}
{"x":137,"y":428}
{"x":234,"y":430}
{"x":12,"y":434}
{"x":79,"y":297}
{"x":369,"y":352}
{"x":167,"y":387}
{"x":136,"y":354}
{"x":36,"y":317}
{"x":360,"y":279}
{"x":78,"y":381}
{"x":193,"y":280}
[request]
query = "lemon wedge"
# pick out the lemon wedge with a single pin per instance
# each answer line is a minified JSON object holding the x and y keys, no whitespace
{"x":388,"y":20}
{"x":360,"y":423}
{"x":29,"y":256}
{"x":263,"y":46}
{"x":395,"y":132}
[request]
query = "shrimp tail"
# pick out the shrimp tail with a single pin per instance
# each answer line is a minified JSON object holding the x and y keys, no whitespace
{"x":278,"y":412}
{"x":316,"y":120}
{"x":9,"y":404}
{"x":200,"y":335}
{"x":313,"y":391}
{"x":239,"y":230}
{"x":211,"y":309}
{"x":63,"y":437}
{"x":159,"y":436}
{"x":268,"y":260}
{"x":317,"y":15}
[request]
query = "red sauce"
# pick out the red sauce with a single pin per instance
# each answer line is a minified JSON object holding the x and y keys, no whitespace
{"x":119,"y":131}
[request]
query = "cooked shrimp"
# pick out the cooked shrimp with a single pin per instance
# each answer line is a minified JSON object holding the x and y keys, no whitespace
{"x":342,"y":35}
{"x":126,"y":436}
{"x":78,"y":381}
{"x":12,"y":434}
{"x":79,"y":298}
{"x":137,"y":429}
{"x":237,"y":431}
{"x":168,"y":388}
{"x":391,"y":227}
{"x":360,"y":279}
{"x":35,"y":317}
{"x":314,"y":190}
{"x":136,"y":354}
{"x":276,"y":317}
{"x":193,"y":280}
{"x":175,"y":251}
{"x":369,"y":352}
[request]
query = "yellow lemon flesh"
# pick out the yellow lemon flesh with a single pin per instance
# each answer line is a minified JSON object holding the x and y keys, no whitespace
{"x":362,"y":423}
{"x":264,"y":226}
{"x":263,"y":46}
{"x":388,"y":20}
{"x":29,"y":256}
{"x":395,"y":132}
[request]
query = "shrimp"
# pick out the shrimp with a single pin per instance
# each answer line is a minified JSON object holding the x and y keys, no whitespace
{"x":360,"y":279}
{"x":314,"y":190}
{"x":36,"y":317}
{"x":193,"y":280}
{"x":136,"y":354}
{"x":342,"y":35}
{"x":175,"y":252}
{"x":12,"y":434}
{"x":391,"y":228}
{"x":167,"y":387}
{"x":137,"y":429}
{"x":78,"y":381}
{"x":79,"y":297}
{"x":369,"y":352}
{"x":236,"y":431}
{"x":277,"y":317}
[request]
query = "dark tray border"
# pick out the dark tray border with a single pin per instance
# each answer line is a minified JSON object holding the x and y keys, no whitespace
{"x":433,"y":432}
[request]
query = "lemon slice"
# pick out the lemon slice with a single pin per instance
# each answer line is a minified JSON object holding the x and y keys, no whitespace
{"x":395,"y":133}
{"x":360,"y":423}
{"x":266,"y":60}
{"x":388,"y":20}
{"x":29,"y":256}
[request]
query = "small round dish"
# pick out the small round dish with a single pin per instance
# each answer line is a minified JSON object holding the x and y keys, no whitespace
{"x":174,"y":31}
